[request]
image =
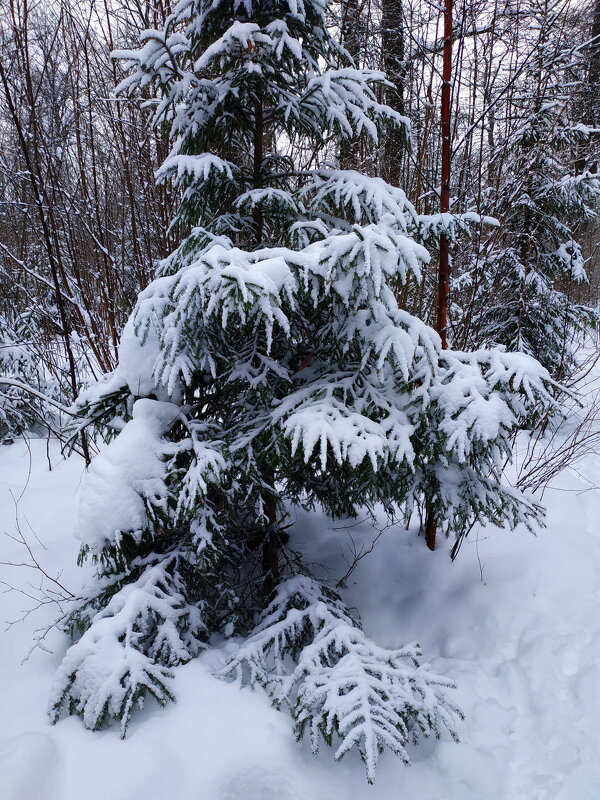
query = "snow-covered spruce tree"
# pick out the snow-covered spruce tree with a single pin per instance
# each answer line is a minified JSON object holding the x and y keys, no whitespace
{"x":269,"y":366}
{"x":526,"y":294}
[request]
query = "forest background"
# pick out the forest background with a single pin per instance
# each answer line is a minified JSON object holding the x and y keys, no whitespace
{"x":83,"y":222}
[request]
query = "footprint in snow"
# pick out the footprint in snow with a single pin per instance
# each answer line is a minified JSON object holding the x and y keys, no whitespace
{"x":254,"y":783}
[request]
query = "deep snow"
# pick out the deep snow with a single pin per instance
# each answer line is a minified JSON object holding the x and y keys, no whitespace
{"x":514,"y":621}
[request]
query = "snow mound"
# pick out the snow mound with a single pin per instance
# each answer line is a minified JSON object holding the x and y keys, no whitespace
{"x":28,"y":767}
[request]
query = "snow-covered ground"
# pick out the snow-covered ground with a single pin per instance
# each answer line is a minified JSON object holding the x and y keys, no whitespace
{"x":515,"y":621}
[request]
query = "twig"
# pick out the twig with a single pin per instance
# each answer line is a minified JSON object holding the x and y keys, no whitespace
{"x":359,"y":553}
{"x":49,"y":591}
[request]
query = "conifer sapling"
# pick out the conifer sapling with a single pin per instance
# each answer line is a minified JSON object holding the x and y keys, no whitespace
{"x":269,"y":366}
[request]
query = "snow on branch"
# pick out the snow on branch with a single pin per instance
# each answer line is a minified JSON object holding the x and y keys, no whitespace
{"x":240,"y":37}
{"x":146,"y":628}
{"x":343,"y":99}
{"x":198,"y":168}
{"x":14,"y":383}
{"x":348,"y":419}
{"x":350,"y":194}
{"x":125,"y":484}
{"x":356,"y":265}
{"x":309,"y":652}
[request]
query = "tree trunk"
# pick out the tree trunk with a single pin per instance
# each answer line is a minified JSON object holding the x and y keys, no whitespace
{"x":270,"y":553}
{"x":392,"y":44}
{"x":350,"y":39}
{"x":444,"y":262}
{"x":258,"y":157}
{"x":591,"y":95}
{"x":594,"y":68}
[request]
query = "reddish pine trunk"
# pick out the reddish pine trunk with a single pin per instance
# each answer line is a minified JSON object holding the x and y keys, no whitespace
{"x":444,"y":263}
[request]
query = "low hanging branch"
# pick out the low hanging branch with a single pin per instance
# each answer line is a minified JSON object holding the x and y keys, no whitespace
{"x":16,"y":384}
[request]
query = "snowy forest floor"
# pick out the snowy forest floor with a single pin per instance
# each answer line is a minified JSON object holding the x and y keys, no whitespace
{"x":514,"y":621}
